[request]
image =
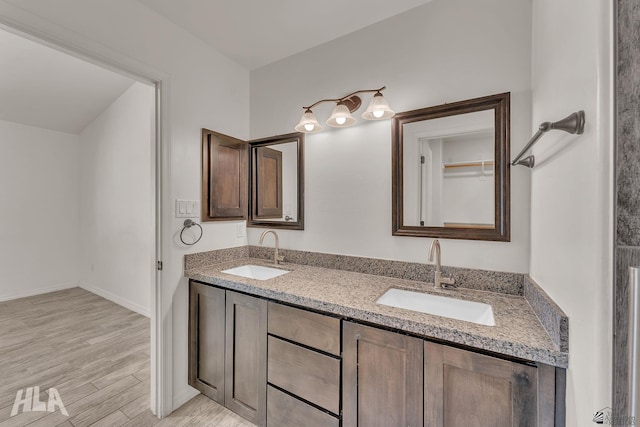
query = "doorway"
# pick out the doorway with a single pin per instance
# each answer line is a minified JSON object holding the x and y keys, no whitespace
{"x":57,"y":159}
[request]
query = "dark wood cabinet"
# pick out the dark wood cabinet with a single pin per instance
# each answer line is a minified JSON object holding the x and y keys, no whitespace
{"x":207,"y":340}
{"x":245,"y":360}
{"x":228,"y":349}
{"x":467,"y":389}
{"x":391,"y":379}
{"x":253,"y":180}
{"x":303,"y":368}
{"x":382,"y":378}
{"x":224,"y":177}
{"x":278,"y":365}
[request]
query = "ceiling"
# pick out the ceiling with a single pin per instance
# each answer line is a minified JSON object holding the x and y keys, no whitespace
{"x":255,"y":33}
{"x":46,"y":88}
{"x":43,"y":87}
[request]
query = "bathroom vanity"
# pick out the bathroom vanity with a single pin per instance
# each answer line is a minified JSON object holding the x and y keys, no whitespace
{"x":312,"y":347}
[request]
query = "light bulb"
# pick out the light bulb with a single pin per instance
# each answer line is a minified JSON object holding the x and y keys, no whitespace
{"x":341,"y":120}
{"x":378,"y":108}
{"x":308,"y":127}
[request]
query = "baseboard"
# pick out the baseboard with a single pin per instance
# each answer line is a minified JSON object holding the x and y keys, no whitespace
{"x":184,"y":396}
{"x":116,"y":299}
{"x":38,"y":291}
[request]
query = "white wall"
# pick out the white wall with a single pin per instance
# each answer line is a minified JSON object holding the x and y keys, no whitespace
{"x":39,"y":191}
{"x":201,"y":88}
{"x":571,"y":208}
{"x":117,"y":211}
{"x":441,"y":52}
{"x":78,"y":209}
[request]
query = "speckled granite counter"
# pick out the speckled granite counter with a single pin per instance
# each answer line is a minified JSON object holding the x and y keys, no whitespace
{"x":517,"y":333}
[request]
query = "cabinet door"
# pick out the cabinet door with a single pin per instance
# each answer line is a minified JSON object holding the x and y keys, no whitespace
{"x":207,"y":340}
{"x":267,"y":185}
{"x":382,"y":378}
{"x":466,"y":389}
{"x":246,"y":357}
{"x":224,"y":177}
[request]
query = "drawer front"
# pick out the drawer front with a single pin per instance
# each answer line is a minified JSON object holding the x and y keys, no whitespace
{"x":311,"y":329}
{"x":310,"y":375}
{"x":287,"y":411}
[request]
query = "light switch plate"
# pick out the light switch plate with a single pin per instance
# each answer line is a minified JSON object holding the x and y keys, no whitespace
{"x":187,"y":208}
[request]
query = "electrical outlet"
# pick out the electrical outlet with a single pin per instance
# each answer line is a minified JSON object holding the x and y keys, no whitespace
{"x":240,"y":230}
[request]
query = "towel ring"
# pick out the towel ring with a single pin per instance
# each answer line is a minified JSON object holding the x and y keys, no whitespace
{"x":188,"y":223}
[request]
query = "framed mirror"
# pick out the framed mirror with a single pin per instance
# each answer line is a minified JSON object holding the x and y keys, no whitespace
{"x":276,"y":182}
{"x":450,"y":170}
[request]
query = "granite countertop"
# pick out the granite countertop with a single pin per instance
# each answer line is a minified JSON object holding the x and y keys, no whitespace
{"x":517,"y":332}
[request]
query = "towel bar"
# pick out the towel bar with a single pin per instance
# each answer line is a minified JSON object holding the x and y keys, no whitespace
{"x":573,"y":124}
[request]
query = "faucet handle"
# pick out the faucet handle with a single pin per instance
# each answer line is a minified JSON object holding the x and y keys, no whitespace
{"x":450,"y":281}
{"x":447,"y":283}
{"x":279,"y":258}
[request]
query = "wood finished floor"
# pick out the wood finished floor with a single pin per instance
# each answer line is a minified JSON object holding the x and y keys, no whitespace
{"x":96,"y":354}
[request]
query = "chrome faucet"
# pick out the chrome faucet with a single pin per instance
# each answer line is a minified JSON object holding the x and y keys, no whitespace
{"x":438,"y":280}
{"x":276,"y":257}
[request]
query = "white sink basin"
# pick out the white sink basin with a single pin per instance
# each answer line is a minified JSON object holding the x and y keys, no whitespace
{"x":257,"y":272}
{"x":453,"y":308}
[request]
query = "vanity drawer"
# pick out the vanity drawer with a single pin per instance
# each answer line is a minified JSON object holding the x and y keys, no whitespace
{"x":284,"y":410}
{"x":308,"y":374}
{"x":307,"y":328}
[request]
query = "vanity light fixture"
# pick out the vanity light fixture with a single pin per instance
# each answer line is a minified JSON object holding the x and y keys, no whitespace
{"x":378,"y":109}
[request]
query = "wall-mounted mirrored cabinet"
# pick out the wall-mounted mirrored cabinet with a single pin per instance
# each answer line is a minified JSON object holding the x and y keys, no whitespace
{"x":224,"y":177}
{"x":261,"y":181}
{"x":276,"y":182}
{"x":450,"y":168}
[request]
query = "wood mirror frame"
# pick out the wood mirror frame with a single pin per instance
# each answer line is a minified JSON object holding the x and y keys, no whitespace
{"x":255,"y":218}
{"x":500,"y":103}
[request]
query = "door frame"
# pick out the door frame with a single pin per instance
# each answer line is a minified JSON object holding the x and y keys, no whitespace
{"x":58,"y":38}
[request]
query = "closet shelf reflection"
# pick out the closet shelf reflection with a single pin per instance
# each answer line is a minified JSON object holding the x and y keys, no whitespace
{"x":470,"y":168}
{"x":471,"y":164}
